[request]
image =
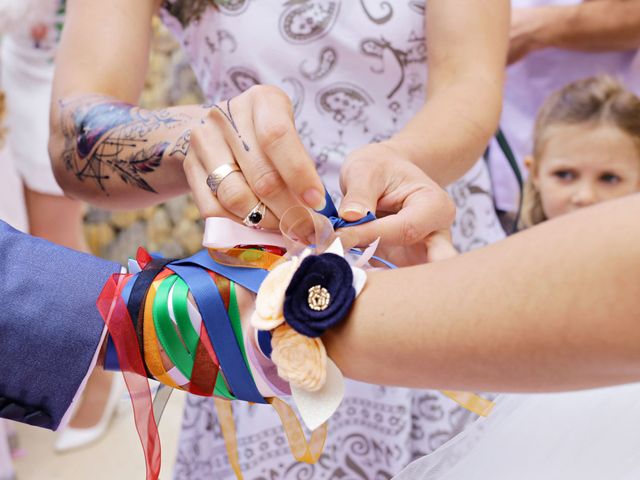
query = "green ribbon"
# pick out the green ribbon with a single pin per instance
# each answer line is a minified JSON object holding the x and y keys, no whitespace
{"x":166,"y":331}
{"x":181,"y":347}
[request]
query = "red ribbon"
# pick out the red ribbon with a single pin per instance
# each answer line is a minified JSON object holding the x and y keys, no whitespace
{"x":116,"y":316}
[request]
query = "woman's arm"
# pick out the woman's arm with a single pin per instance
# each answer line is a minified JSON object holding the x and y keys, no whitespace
{"x":556,"y":307}
{"x":109,"y":152}
{"x":591,"y":26}
{"x":104,"y":149}
{"x":467,"y":44}
{"x":466,"y":52}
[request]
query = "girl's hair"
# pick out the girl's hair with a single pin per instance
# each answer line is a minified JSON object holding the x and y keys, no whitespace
{"x":188,"y":11}
{"x":593,"y":101}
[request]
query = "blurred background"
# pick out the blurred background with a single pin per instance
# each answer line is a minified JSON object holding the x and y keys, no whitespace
{"x":174,"y":229}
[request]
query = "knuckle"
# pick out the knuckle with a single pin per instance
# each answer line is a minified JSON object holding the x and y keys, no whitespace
{"x":197,"y":137}
{"x":209,"y":211}
{"x":207,"y":208}
{"x":410,"y":233}
{"x":299,"y":170}
{"x":448,"y":209}
{"x":256,"y":91}
{"x":268,"y":184}
{"x":356,"y":164}
{"x":232,"y":195}
{"x":215,"y":115}
{"x":270,"y":135}
{"x":270,"y":92}
{"x":272,"y":97}
{"x":190,"y":166}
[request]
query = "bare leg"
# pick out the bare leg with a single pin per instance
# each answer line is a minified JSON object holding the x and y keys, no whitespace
{"x":59,"y":220}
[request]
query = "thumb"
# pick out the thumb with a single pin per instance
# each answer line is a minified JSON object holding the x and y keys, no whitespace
{"x":361,"y":193}
{"x":439,"y":246}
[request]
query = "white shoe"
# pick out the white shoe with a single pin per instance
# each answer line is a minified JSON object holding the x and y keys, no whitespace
{"x":72,"y":438}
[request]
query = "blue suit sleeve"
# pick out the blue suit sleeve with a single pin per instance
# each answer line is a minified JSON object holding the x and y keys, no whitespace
{"x":49,"y":325}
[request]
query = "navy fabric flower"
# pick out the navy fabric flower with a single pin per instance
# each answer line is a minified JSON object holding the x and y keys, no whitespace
{"x":320,"y":294}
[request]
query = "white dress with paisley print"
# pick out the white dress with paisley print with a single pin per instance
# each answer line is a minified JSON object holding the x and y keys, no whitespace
{"x":356,"y":73}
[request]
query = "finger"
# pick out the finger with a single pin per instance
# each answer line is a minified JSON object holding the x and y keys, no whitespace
{"x":233,"y":199}
{"x":423,"y":212}
{"x":362,"y":187}
{"x":260,"y":174}
{"x":207,"y":204}
{"x":440,"y":247}
{"x":277,"y":136}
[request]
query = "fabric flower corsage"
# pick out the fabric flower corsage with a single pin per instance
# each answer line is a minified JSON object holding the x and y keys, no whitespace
{"x":269,"y":313}
{"x":298,"y":301}
{"x":301,"y":360}
{"x":319,"y":295}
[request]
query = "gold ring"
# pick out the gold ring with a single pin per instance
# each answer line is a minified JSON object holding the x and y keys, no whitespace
{"x":216,"y":177}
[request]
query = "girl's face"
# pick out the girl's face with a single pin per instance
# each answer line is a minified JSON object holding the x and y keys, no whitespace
{"x":582,"y":165}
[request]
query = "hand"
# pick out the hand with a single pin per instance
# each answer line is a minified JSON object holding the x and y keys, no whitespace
{"x":409,"y":205}
{"x":528,"y":31}
{"x":435,"y":248}
{"x":256,"y":131}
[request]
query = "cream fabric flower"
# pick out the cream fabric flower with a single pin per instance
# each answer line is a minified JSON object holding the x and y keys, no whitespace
{"x":301,"y":361}
{"x":270,"y":299}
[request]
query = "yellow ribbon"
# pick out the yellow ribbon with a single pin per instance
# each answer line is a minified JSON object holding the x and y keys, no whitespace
{"x":228,"y":427}
{"x":302,"y":450}
{"x":471,"y":401}
{"x":246,"y":258}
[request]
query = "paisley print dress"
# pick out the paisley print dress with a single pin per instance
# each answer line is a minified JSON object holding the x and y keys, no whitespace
{"x":356,"y":73}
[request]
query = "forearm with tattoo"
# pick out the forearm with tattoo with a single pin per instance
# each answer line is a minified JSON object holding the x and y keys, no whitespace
{"x":119,"y":155}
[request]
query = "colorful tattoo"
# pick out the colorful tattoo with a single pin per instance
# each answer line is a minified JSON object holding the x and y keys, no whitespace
{"x":104,"y":138}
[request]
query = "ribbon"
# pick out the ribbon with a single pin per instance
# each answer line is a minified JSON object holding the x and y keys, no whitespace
{"x":150,"y":314}
{"x":116,"y":316}
{"x":471,"y":401}
{"x":331,"y":213}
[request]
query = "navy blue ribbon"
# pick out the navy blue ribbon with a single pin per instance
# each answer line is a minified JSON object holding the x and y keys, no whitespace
{"x":216,"y":320}
{"x":211,"y":305}
{"x":331,"y":212}
{"x":249,"y":278}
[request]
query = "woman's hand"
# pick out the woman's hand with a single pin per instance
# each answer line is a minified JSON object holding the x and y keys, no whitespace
{"x":409,"y":205}
{"x":528,"y":31}
{"x":255,"y":130}
{"x":435,"y":248}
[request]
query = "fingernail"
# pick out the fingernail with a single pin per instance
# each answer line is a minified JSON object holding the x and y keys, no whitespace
{"x":314,"y":199}
{"x":353,"y":211}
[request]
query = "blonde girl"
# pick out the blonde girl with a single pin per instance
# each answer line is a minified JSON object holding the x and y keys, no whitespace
{"x":586,"y":149}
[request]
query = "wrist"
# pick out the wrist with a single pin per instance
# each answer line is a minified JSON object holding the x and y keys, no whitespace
{"x":403,"y":147}
{"x":552,"y":25}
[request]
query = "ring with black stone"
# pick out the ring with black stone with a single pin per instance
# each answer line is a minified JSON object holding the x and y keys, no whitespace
{"x":255,"y":216}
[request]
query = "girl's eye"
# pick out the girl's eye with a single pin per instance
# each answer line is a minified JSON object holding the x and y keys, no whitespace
{"x":610,"y":178}
{"x":565,"y":175}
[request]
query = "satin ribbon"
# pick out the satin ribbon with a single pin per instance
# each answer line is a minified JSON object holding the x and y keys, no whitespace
{"x":207,"y":276}
{"x":331,"y":212}
{"x":218,"y":325}
{"x":303,"y":450}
